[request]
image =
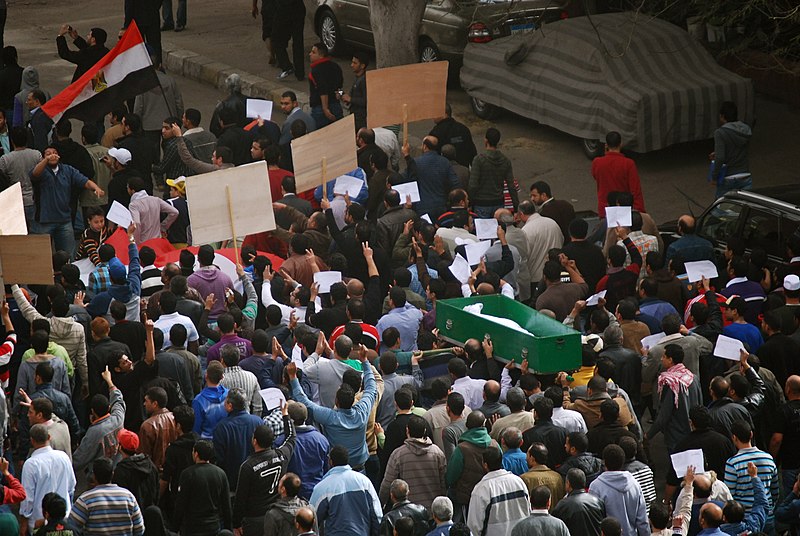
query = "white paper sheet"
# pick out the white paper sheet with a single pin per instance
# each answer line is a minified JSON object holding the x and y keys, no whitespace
{"x":651,"y":340}
{"x":696,"y":270}
{"x":728,"y":348}
{"x":347,"y":184}
{"x":594,"y":299}
{"x":486,"y":229}
{"x":119,"y":215}
{"x":12,"y":211}
{"x":476,"y":251}
{"x":426,"y":218}
{"x":297,"y":357}
{"x":408,"y":188}
{"x":259,"y":108}
{"x":272,"y":397}
{"x":326,"y":279}
{"x":682,"y":460}
{"x":618,"y":217}
{"x":460,"y":269}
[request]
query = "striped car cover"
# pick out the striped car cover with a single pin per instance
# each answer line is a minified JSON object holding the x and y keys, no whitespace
{"x":641,"y":76}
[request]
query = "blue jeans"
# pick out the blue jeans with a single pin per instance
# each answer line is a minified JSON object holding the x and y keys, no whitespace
{"x":486,"y":211}
{"x":734,"y":184}
{"x":319,"y":118}
{"x":166,"y":12}
{"x":62,"y":234}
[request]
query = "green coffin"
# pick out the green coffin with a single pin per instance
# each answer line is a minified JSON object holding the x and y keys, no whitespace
{"x":549,"y":346}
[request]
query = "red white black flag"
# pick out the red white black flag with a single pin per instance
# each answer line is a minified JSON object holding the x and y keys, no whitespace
{"x":122,"y":74}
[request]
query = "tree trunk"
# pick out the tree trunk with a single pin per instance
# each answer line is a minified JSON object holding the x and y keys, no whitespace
{"x":395,"y":27}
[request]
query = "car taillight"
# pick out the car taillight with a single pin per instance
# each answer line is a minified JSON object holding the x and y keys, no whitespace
{"x":479,"y":33}
{"x":564,"y":15}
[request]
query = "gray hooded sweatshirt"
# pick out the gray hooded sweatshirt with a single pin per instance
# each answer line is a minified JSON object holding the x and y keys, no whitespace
{"x":30,"y":80}
{"x":731,"y":141}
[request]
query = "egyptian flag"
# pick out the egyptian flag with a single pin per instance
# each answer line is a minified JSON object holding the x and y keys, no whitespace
{"x":122,"y":74}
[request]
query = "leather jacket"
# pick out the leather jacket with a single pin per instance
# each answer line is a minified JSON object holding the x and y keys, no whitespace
{"x":582,"y":512}
{"x":406,"y":508}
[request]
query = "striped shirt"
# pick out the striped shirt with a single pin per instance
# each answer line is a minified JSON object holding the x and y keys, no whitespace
{"x":237,"y":377}
{"x":644,"y":476}
{"x":107,"y":510}
{"x":738,"y":481}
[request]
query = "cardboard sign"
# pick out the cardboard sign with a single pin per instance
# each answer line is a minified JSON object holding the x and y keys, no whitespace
{"x":12,"y":212}
{"x":251,"y":201}
{"x":334,"y":145}
{"x":26,"y":259}
{"x":419,"y":88}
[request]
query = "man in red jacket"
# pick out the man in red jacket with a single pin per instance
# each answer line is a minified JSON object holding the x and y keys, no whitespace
{"x":615,"y":172}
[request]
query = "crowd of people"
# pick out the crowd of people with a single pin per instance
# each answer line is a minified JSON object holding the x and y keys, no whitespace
{"x":145,"y":399}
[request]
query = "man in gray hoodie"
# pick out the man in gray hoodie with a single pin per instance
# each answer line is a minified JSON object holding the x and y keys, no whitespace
{"x":621,"y":494}
{"x":730,"y":163}
{"x":30,"y":81}
{"x":279,"y":519}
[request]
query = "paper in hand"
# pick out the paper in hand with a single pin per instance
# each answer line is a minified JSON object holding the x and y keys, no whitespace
{"x":12,"y":211}
{"x":651,"y":340}
{"x":273,"y":398}
{"x":326,"y":279}
{"x":618,"y":217}
{"x":426,"y":218}
{"x":594,"y":299}
{"x":347,"y":184}
{"x":486,"y":229}
{"x":695,"y":271}
{"x":460,"y":269}
{"x":259,"y":108}
{"x":297,"y":356}
{"x":406,"y":189}
{"x":119,"y":215}
{"x":476,"y":251}
{"x":728,"y":348}
{"x":682,"y":460}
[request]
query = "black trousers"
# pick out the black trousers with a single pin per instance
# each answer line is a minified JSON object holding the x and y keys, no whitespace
{"x":290,"y":27}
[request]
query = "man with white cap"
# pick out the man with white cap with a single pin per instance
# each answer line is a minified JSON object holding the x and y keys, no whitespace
{"x":786,"y":313}
{"x":179,"y":234}
{"x":118,"y":161}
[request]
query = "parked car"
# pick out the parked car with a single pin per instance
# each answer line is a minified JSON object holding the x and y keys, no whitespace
{"x":643,"y":77}
{"x":764,"y":218}
{"x":447,"y":25}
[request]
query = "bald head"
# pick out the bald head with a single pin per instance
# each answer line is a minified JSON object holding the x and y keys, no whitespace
{"x":491,"y":391}
{"x":710,"y":516}
{"x":304,"y":519}
{"x":702,"y":486}
{"x":686,"y":224}
{"x":355,"y":288}
{"x":793,"y":387}
{"x":485,"y":289}
{"x":429,"y":143}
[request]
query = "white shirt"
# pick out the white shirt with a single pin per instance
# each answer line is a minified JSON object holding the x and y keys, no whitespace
{"x":471,"y":390}
{"x":569,"y":419}
{"x":286,"y":311}
{"x":165,"y":323}
{"x":543,"y":234}
{"x":45,"y":471}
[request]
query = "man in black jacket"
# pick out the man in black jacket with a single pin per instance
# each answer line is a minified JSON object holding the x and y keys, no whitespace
{"x":260,"y":475}
{"x":581,"y":511}
{"x":449,"y":131}
{"x":177,"y":457}
{"x":136,"y":472}
{"x":204,"y":502}
{"x":402,"y":507}
{"x":90,"y":50}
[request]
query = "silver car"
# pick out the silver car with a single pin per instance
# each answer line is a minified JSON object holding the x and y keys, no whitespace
{"x":447,"y":25}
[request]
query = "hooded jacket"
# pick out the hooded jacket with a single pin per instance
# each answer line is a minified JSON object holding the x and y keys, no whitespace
{"x":465,"y":467}
{"x":30,"y":80}
{"x":731,"y":141}
{"x":138,"y":475}
{"x":584,"y":461}
{"x":624,"y":501}
{"x":489,"y":173}
{"x":422,"y":465}
{"x":279,"y":519}
{"x":127,"y":293}
{"x":211,"y":280}
{"x":209,"y":409}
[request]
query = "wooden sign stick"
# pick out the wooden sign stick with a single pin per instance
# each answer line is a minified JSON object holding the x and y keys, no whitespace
{"x":405,"y":124}
{"x":233,"y":226}
{"x":324,"y":177}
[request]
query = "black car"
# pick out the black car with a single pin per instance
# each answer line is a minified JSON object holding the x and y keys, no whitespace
{"x":764,"y":218}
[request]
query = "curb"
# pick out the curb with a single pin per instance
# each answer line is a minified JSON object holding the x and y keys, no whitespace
{"x":208,"y":71}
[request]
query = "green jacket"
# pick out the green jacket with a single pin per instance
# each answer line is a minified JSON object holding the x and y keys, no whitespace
{"x":55,"y":350}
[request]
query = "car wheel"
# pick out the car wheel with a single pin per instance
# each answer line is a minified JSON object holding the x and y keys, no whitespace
{"x":329,"y":32}
{"x":592,"y":148}
{"x":483,"y":109}
{"x":428,"y":51}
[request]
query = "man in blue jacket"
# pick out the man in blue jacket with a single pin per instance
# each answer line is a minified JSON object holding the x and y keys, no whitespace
{"x":434,"y":175}
{"x":234,"y":434}
{"x":208,"y":406}
{"x":126,"y":286}
{"x":345,"y":424}
{"x":738,"y":521}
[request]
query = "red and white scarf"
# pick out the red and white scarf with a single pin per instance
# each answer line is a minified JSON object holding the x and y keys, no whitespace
{"x":678,"y":378}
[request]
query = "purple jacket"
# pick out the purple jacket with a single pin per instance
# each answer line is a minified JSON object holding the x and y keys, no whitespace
{"x":211,"y":280}
{"x":244,"y":346}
